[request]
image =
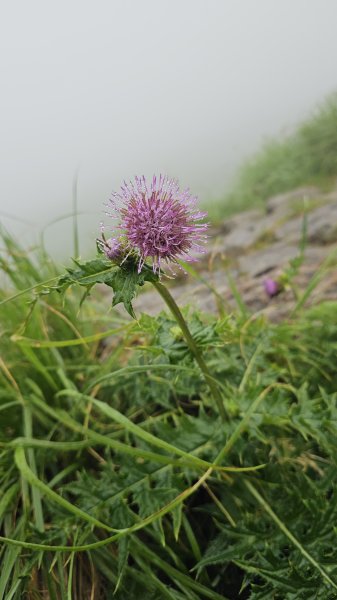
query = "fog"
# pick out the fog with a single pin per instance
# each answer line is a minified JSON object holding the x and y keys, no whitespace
{"x":114,"y":88}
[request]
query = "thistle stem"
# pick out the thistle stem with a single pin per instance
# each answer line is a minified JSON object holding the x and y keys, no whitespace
{"x":175,"y":310}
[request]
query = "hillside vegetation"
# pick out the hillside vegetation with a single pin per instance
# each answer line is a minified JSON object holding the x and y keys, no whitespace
{"x":119,"y":476}
{"x":308,"y":156}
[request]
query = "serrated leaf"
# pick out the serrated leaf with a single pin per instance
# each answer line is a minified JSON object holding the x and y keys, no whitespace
{"x":123,"y":279}
{"x":125,"y":288}
{"x":123,"y":554}
{"x":87,"y":274}
{"x":126,"y":282}
{"x":122,"y":517}
{"x":150,"y":500}
{"x":222,"y":549}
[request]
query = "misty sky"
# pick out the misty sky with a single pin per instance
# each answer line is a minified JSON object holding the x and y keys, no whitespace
{"x":123,"y":87}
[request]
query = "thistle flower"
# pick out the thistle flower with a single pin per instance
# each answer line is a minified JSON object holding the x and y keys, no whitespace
{"x":158,"y":221}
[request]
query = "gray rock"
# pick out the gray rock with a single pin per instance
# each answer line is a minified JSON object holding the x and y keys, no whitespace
{"x":245,"y":231}
{"x":235,"y":222}
{"x":322,"y":224}
{"x":281,"y":202}
{"x":262,"y":262}
{"x":289,"y":231}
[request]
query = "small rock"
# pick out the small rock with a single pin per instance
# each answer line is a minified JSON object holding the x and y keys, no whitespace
{"x":262,"y":262}
{"x":236,"y":221}
{"x":246,"y":230}
{"x":281,"y":202}
{"x":322,"y":225}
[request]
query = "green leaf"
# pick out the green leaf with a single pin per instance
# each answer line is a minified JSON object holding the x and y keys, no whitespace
{"x":98,"y":270}
{"x":126,"y":282}
{"x":223,"y":550}
{"x":119,"y":418}
{"x":177,"y":517}
{"x":150,"y":500}
{"x":29,"y":476}
{"x":123,"y":279}
{"x":125,"y":288}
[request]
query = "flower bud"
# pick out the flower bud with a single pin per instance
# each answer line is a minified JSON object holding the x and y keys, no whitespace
{"x":113,"y":249}
{"x":271,"y":287}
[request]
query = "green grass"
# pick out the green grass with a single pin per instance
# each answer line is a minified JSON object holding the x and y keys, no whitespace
{"x":307,"y":157}
{"x":119,"y":480}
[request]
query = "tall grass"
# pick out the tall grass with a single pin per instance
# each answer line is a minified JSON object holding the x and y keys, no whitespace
{"x":308,"y":156}
{"x":118,"y":479}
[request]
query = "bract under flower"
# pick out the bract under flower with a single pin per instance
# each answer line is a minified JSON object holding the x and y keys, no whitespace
{"x":113,"y":248}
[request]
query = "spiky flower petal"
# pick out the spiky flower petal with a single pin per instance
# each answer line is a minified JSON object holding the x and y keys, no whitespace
{"x":159,"y":221}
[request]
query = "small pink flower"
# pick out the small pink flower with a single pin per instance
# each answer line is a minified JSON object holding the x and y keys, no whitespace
{"x":158,"y":221}
{"x":272,"y":287}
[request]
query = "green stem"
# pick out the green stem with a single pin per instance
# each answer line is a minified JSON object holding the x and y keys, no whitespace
{"x":175,"y":310}
{"x":36,"y":496}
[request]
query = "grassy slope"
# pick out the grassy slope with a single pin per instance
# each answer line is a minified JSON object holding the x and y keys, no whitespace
{"x":309,"y":156}
{"x":72,"y":471}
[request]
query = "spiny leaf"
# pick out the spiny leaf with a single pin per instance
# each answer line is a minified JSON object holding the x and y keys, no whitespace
{"x":98,"y":270}
{"x":123,"y":279}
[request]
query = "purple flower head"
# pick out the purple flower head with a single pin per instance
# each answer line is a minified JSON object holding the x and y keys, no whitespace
{"x":158,"y":221}
{"x":272,"y":287}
